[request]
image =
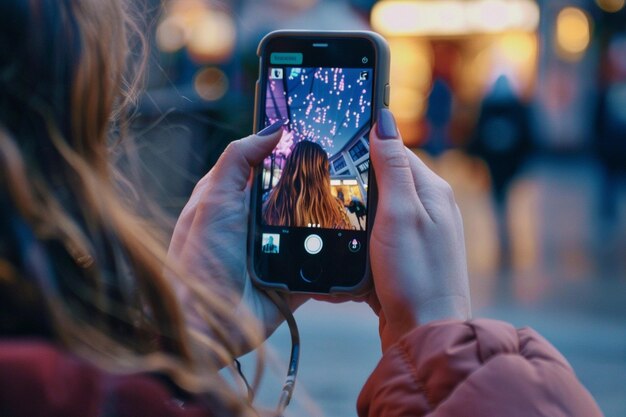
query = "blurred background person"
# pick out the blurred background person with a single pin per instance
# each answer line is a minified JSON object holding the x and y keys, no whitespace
{"x":357,"y":207}
{"x":438,"y":117}
{"x":502,"y":138}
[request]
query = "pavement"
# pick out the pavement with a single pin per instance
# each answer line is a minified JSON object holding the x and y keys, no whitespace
{"x":566,"y":277}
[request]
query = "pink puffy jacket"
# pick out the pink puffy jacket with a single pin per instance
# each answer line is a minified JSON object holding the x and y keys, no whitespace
{"x":481,"y":368}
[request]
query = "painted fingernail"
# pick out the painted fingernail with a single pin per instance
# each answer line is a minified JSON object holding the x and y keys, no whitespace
{"x":386,"y":125}
{"x":273,"y":128}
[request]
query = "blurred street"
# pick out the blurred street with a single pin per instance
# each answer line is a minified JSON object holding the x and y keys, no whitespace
{"x":567,"y":280}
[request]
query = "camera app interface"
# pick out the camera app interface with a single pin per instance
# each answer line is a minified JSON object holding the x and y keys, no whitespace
{"x":317,"y":177}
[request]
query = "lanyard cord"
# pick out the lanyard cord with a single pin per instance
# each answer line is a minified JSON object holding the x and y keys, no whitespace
{"x":292,"y":371}
{"x":294,"y":358}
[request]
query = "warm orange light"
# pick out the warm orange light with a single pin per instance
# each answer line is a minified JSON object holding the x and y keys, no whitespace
{"x":208,"y":33}
{"x":412,"y":63}
{"x":518,"y":48}
{"x":475,"y":75}
{"x":611,"y":6}
{"x":171,"y":34}
{"x":453,"y":17}
{"x":211,"y":84}
{"x":573,"y":33}
{"x":411,"y":77}
{"x":212,"y":37}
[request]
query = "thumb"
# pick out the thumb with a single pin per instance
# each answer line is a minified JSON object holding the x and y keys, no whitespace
{"x":389,"y":157}
{"x":232,"y":169}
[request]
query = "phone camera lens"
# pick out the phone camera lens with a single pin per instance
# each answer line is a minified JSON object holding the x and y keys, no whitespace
{"x":365,"y":60}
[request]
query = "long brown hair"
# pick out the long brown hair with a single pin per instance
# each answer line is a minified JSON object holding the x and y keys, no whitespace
{"x":302,"y":196}
{"x":67,"y":82}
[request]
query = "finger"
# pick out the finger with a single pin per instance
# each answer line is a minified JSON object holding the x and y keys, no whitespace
{"x":391,"y":162}
{"x":231,"y":172}
{"x":422,"y":174}
{"x":431,"y":189}
{"x":423,"y":177}
{"x":232,"y":169}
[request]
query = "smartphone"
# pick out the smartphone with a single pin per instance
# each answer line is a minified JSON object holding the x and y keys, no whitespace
{"x":313,"y":198}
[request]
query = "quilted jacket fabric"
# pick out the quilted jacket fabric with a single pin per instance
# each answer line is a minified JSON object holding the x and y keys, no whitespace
{"x":481,"y":368}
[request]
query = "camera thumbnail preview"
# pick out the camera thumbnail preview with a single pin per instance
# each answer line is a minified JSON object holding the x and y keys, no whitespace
{"x":270,"y":243}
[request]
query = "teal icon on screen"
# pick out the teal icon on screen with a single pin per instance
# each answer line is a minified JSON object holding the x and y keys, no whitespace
{"x":286,"y":58}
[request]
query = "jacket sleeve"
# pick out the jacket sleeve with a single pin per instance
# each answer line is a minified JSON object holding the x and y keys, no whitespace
{"x":39,"y":380}
{"x":480,"y":368}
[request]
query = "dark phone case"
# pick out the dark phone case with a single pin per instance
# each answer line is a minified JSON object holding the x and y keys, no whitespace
{"x":380,"y":96}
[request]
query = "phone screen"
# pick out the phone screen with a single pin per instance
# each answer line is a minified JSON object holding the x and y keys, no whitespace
{"x":313,"y":195}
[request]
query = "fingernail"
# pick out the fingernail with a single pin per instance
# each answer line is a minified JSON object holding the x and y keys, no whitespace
{"x":386,"y":125}
{"x":273,"y":128}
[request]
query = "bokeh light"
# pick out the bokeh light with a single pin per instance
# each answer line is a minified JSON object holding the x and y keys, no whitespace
{"x":518,"y":47}
{"x":573,"y":33}
{"x":171,"y":34}
{"x":611,"y":6}
{"x":453,"y":17}
{"x":414,"y":18}
{"x":211,"y":83}
{"x":213,"y":37}
{"x":208,"y":34}
{"x":411,"y":78}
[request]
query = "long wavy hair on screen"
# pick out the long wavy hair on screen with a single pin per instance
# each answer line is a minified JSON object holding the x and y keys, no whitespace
{"x":70,"y":71}
{"x":302,"y":195}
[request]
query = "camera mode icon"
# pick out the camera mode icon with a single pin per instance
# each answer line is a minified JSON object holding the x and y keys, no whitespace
{"x":354,"y":246}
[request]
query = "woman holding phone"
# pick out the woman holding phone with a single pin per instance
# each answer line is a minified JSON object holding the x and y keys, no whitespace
{"x":90,"y":323}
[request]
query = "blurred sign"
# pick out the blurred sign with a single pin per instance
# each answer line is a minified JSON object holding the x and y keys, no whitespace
{"x":454,"y":17}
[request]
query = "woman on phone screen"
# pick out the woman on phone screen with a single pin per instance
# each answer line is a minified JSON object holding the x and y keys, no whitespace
{"x":302,"y":196}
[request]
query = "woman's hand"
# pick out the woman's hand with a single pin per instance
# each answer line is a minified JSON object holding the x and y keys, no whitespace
{"x":210,"y":237}
{"x":417,"y":247}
